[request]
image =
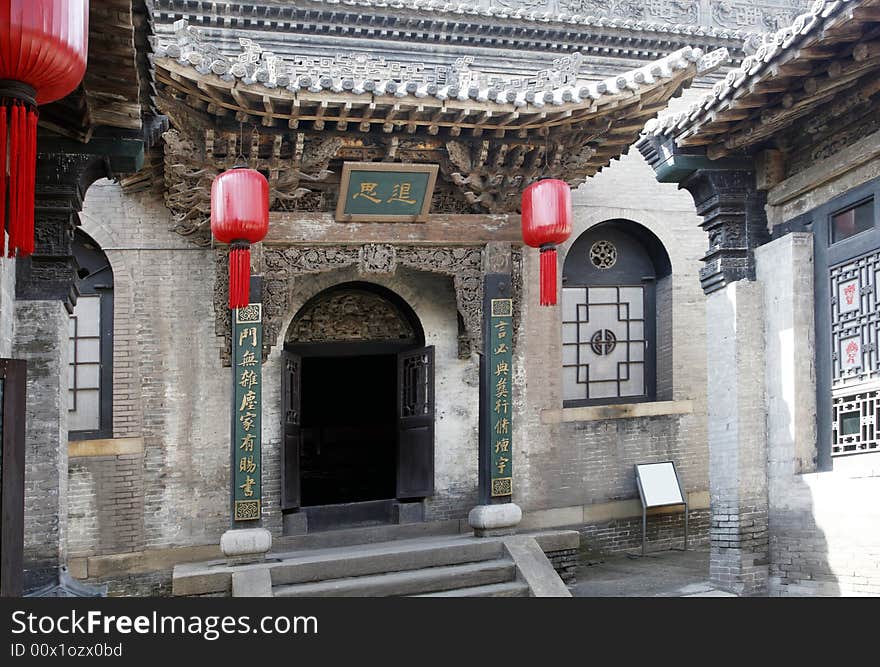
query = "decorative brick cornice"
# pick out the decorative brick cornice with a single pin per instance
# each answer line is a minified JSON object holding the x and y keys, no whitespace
{"x":733,"y":215}
{"x":51,"y":272}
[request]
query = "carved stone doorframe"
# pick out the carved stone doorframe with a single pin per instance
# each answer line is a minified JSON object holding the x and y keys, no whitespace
{"x":283,"y":265}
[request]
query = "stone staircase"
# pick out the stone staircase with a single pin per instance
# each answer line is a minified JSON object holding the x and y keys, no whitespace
{"x":439,"y":566}
{"x":462,"y":567}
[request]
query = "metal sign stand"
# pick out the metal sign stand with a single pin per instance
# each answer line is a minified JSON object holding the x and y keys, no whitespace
{"x":647,"y":504}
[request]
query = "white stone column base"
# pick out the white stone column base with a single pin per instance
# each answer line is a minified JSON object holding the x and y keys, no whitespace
{"x":492,"y":520}
{"x":245,"y":545}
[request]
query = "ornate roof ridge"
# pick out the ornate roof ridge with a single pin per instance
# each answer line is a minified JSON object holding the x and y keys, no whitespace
{"x":365,"y":74}
{"x":773,"y":49}
{"x":537,"y":16}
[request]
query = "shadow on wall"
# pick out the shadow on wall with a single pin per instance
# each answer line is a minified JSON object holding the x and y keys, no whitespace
{"x":825,"y":534}
{"x":800,"y":560}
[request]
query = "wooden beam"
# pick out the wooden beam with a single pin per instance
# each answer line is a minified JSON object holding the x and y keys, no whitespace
{"x":365,"y":117}
{"x":342,"y":121}
{"x":440,"y":229}
{"x":269,"y":117}
{"x":293,"y":120}
{"x":869,"y":13}
{"x":318,"y":121}
{"x":388,"y":124}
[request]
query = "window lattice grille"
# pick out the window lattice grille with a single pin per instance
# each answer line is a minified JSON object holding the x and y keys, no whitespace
{"x":854,"y":425}
{"x":855,"y":328}
{"x":84,"y":379}
{"x":603,"y":342}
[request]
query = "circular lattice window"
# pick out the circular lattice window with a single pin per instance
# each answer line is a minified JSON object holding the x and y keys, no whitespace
{"x":603,"y":254}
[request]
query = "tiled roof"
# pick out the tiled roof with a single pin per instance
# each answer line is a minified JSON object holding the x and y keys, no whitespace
{"x":777,"y":57}
{"x":557,"y":87}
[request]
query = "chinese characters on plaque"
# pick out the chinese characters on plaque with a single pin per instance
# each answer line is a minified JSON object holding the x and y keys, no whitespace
{"x":247,"y":344}
{"x":385,"y":192}
{"x":501,"y":405}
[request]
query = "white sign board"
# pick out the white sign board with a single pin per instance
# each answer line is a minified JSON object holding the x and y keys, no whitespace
{"x":659,"y":484}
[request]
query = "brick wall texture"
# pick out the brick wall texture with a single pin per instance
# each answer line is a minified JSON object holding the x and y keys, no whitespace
{"x":824,"y":527}
{"x":580,"y":463}
{"x":664,"y":531}
{"x":170,"y":388}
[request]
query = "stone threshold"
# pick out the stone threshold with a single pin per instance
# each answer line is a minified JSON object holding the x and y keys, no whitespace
{"x":104,"y":447}
{"x":617,"y":411}
{"x":584,"y":515}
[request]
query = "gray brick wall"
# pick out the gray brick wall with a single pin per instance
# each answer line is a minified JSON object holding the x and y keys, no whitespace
{"x":737,"y":439}
{"x":824,"y":537}
{"x":824,"y":528}
{"x":106,"y":499}
{"x":591,"y":462}
{"x":165,"y":356}
{"x":664,"y":531}
{"x":169,"y":386}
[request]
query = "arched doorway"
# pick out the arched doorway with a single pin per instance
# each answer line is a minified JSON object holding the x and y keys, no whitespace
{"x":358,"y":398}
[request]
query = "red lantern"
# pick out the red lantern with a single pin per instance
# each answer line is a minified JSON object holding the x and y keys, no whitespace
{"x":43,"y":49}
{"x":546,"y":222}
{"x":239,"y":217}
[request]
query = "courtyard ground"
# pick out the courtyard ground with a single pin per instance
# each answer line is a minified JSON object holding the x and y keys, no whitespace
{"x":672,"y":573}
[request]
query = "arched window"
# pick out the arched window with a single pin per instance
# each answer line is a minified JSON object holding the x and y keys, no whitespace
{"x":90,"y":378}
{"x":609,"y":314}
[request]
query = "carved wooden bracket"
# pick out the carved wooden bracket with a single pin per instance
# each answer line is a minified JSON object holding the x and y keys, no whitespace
{"x":733,"y":215}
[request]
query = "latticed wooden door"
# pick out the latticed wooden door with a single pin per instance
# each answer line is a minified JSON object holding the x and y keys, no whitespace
{"x":415,"y":423}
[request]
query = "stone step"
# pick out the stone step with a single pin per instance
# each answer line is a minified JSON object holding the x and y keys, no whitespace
{"x":509,"y":589}
{"x":409,"y":582}
{"x":370,"y":535}
{"x":344,"y":563}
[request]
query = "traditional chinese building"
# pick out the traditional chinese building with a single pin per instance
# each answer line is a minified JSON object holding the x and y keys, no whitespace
{"x":782,"y":162}
{"x":397,"y":138}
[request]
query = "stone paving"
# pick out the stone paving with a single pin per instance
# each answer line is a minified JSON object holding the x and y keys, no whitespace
{"x":673,"y":573}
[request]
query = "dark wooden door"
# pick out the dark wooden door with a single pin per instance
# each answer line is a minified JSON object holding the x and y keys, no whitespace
{"x":415,"y":423}
{"x":291,"y":401}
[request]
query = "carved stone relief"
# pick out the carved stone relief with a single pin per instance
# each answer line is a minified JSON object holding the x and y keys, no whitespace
{"x":378,"y":258}
{"x":282,"y":266}
{"x":349,"y":315}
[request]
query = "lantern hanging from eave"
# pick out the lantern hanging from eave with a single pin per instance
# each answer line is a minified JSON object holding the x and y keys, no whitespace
{"x":43,"y":50}
{"x":546,"y":222}
{"x":239,"y":217}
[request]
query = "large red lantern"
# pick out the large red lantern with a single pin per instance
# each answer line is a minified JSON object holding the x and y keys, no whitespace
{"x":43,"y":50}
{"x":546,"y":222}
{"x":239,"y":217}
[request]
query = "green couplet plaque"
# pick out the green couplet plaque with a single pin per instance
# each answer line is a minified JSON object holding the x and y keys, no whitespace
{"x":247,"y":345}
{"x":501,"y":375}
{"x":385,"y":192}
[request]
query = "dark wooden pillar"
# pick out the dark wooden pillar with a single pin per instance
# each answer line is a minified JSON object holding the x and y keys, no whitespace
{"x":13,"y":374}
{"x":497,"y":288}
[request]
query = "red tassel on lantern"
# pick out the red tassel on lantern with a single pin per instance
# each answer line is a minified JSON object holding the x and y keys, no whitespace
{"x":2,"y":176}
{"x":43,"y":50}
{"x":546,"y":222}
{"x":240,"y":216}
